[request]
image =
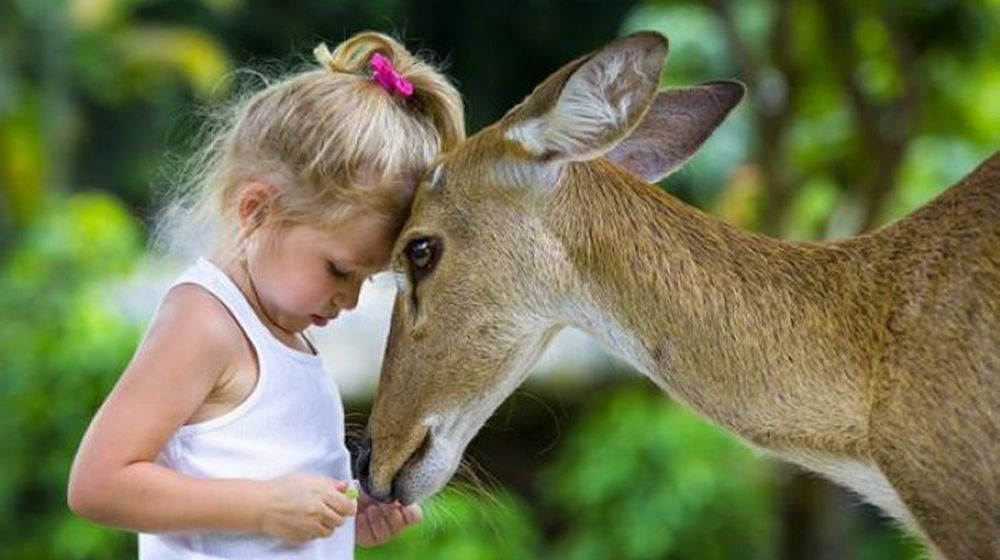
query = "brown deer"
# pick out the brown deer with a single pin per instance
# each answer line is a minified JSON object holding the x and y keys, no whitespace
{"x":873,"y":360}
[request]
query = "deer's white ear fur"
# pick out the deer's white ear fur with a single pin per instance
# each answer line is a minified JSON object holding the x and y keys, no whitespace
{"x":600,"y":103}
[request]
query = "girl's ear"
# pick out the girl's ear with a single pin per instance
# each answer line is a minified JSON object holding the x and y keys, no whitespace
{"x":254,"y":202}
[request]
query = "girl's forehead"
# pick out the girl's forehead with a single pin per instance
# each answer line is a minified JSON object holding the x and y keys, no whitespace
{"x":364,"y":238}
{"x":361,"y":224}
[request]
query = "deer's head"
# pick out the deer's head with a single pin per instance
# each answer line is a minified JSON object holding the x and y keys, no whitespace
{"x":483,"y":283}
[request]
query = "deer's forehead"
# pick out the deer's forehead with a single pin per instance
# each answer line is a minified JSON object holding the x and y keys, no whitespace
{"x":487,"y":177}
{"x":492,"y":156}
{"x":505,"y":177}
{"x":470,"y":219}
{"x":435,"y":179}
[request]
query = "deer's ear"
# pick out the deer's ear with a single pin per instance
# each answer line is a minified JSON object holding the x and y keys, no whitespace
{"x":677,"y":124}
{"x":590,"y":104}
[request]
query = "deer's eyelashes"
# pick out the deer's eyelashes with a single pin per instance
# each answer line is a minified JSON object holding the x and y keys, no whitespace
{"x":421,"y":255}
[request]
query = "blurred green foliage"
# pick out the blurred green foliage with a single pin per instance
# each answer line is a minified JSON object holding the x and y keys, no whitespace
{"x":856,"y":113}
{"x":463,"y":525}
{"x":63,"y":344}
{"x":641,"y":478}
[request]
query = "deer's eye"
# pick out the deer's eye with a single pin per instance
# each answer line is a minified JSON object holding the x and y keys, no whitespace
{"x":422,"y":254}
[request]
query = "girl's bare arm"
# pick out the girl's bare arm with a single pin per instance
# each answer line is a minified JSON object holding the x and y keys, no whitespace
{"x":114,"y":481}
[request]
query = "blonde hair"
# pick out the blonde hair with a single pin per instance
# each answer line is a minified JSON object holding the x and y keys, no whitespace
{"x":330,"y":140}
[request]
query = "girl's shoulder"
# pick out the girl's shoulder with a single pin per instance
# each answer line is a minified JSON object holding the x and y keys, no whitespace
{"x":192,"y":320}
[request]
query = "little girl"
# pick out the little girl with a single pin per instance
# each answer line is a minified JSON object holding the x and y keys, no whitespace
{"x":224,"y":437}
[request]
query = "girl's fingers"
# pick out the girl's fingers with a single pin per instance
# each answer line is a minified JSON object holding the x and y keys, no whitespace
{"x":394,"y":517}
{"x":323,"y":529}
{"x":379,"y":525}
{"x":413,"y":514}
{"x":340,"y":503}
{"x":363,"y":531}
{"x":330,"y":518}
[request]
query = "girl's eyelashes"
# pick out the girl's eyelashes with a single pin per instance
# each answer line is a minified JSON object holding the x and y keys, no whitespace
{"x":335,"y":271}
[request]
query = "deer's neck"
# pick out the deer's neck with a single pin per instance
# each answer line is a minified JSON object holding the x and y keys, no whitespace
{"x":771,"y":339}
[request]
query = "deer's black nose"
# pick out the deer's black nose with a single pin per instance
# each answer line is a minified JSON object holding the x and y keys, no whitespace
{"x":362,"y":463}
{"x":362,"y":470}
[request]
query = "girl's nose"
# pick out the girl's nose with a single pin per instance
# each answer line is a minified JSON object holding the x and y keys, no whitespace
{"x":348,"y":297}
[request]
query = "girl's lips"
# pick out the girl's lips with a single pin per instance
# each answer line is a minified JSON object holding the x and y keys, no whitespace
{"x":319,"y":320}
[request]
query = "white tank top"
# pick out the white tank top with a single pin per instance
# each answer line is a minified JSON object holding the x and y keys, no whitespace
{"x":292,"y":421}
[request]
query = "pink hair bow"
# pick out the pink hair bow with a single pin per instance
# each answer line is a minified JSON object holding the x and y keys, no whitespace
{"x":387,"y":77}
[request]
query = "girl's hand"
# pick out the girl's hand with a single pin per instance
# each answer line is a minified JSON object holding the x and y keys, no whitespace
{"x":377,"y":523}
{"x":301,"y":507}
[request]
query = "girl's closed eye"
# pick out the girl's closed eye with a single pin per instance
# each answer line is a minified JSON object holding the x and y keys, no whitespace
{"x":336,"y":271}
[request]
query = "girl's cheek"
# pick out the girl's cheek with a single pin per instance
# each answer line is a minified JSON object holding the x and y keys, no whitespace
{"x":323,"y":289}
